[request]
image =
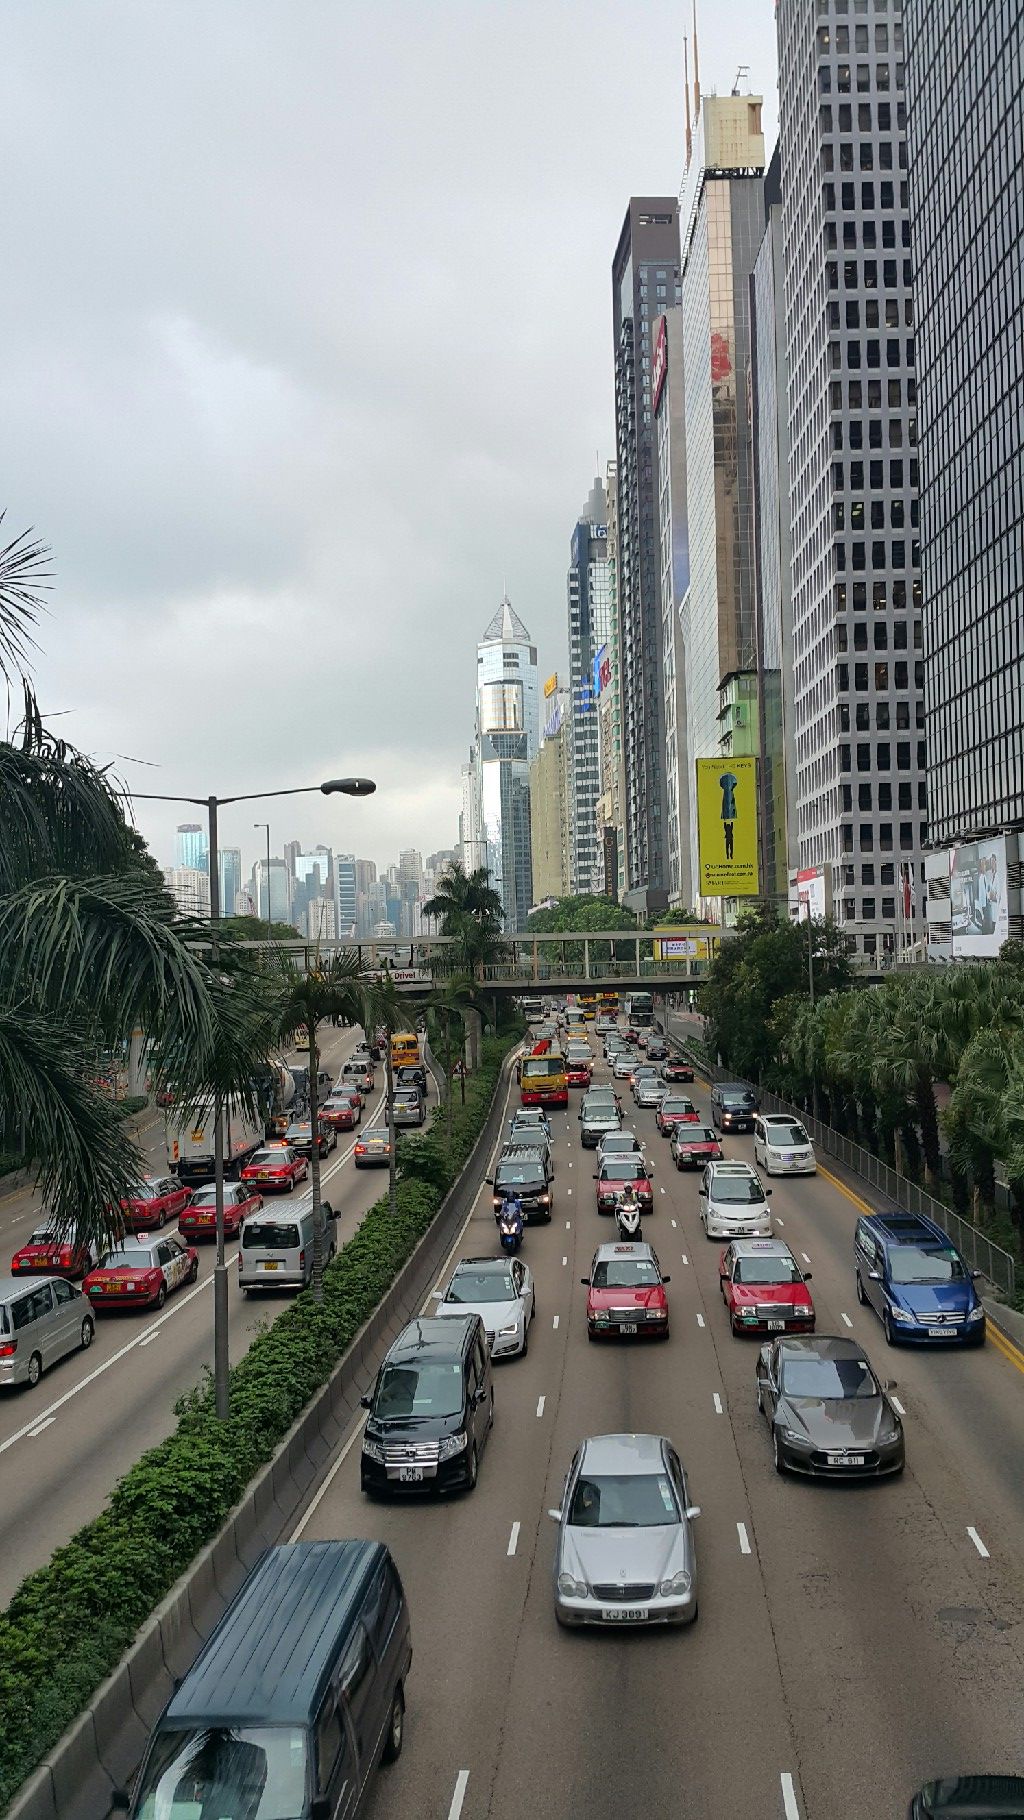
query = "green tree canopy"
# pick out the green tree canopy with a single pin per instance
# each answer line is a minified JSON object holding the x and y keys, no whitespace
{"x":762,"y":964}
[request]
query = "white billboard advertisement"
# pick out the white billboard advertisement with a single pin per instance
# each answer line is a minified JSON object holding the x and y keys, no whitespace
{"x":808,"y":891}
{"x":977,"y":892}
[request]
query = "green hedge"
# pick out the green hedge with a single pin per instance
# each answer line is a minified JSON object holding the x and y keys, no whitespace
{"x":70,"y":1623}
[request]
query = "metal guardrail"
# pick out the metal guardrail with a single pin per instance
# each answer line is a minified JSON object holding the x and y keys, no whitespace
{"x":982,"y":1254}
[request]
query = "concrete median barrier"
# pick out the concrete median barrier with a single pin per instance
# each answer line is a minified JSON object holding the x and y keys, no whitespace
{"x":102,"y":1750}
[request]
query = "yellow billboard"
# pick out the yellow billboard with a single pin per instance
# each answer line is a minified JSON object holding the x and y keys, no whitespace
{"x":684,"y":942}
{"x":727,"y":826}
{"x":551,"y":685}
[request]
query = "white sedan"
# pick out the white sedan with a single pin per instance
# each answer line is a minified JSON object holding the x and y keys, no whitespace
{"x":782,"y":1145}
{"x":500,"y":1291}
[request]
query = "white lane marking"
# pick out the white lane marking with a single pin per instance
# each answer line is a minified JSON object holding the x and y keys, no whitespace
{"x":673,"y":1222}
{"x":460,"y":1794}
{"x":898,"y":1406}
{"x":568,"y":1191}
{"x":685,"y":1258}
{"x":47,"y":1422}
{"x":700,"y":1320}
{"x":846,"y":1318}
{"x":513,"y":1540}
{"x":148,"y":1341}
{"x":663,"y":1191}
{"x":806,"y":1259}
{"x":570,"y":1162}
{"x":789,"y":1800}
{"x":180,"y":1303}
{"x":779,"y":1222}
{"x":978,"y":1543}
{"x":540,"y":1406}
{"x":554,"y":1320}
{"x":718,"y":1404}
{"x":741,"y":1531}
{"x":568,"y":1225}
{"x":565,"y":1261}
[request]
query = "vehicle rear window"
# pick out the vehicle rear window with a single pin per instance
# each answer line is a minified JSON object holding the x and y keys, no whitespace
{"x":126,"y":1259}
{"x":267,"y":1158}
{"x":269,"y":1235}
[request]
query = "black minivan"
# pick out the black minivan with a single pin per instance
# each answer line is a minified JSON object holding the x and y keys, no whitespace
{"x":431,"y":1409}
{"x":297,"y":1696}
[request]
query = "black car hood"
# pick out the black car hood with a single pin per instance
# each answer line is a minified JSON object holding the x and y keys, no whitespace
{"x":414,"y":1428}
{"x":835,"y":1423}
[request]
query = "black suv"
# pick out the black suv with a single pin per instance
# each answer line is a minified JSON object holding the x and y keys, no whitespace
{"x":431,"y":1409}
{"x":524,"y":1174}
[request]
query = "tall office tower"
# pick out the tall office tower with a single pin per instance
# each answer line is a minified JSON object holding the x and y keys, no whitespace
{"x":550,"y":790}
{"x":857,"y":633}
{"x":280,"y":889}
{"x":346,"y":911}
{"x":589,"y":601}
{"x":668,"y":399}
{"x":230,"y":876}
{"x":965,"y":77}
{"x":610,"y":812}
{"x":721,"y":221}
{"x":645,"y":280}
{"x":311,"y":874}
{"x":472,"y":848}
{"x":319,"y":920}
{"x":410,"y":865}
{"x":773,"y":583}
{"x":191,"y":848}
{"x":506,"y":741}
{"x":292,"y":848}
{"x":190,"y":888}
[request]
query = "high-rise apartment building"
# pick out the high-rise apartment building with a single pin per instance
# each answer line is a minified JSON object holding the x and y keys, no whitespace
{"x":853,"y":476}
{"x":346,"y":909}
{"x":550,"y":791}
{"x":506,"y":742}
{"x":773,"y":584}
{"x":472,"y":847}
{"x":610,"y":810}
{"x":191,"y":848}
{"x":645,"y":280}
{"x":668,"y":404}
{"x":190,"y":888}
{"x":589,"y":601}
{"x":965,"y":125}
{"x":721,"y":222}
{"x":280,"y":890}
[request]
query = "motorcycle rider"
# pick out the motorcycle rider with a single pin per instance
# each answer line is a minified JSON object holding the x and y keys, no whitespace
{"x":511,"y":1223}
{"x":627,"y":1216}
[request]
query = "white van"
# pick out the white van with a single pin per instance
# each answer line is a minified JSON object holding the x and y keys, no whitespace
{"x":276,"y":1248}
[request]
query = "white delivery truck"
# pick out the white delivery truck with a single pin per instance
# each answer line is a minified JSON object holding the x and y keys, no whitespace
{"x":190,"y":1141}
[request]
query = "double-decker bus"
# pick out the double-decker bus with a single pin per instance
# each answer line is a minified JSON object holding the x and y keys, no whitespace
{"x":543,"y":1080}
{"x":639,"y":1010}
{"x":532,"y":1009}
{"x":587,"y":1004}
{"x":608,"y":1004}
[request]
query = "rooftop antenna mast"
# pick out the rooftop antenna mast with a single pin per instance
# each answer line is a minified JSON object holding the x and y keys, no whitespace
{"x":696,"y":66}
{"x":686,"y":85}
{"x":743,"y":73}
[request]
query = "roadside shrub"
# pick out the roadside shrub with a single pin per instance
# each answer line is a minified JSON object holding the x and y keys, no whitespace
{"x":70,"y":1623}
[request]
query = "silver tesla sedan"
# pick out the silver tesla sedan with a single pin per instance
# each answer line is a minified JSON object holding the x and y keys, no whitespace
{"x":625,"y":1551}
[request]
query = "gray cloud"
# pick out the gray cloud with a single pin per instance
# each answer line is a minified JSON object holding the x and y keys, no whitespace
{"x":305,"y":345}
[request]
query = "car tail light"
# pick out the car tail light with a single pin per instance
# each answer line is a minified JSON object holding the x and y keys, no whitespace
{"x":66,"y":1255}
{"x":360,"y":1150}
{"x":302,"y":1259}
{"x":8,"y":1348}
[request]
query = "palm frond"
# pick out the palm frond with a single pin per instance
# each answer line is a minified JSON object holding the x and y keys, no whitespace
{"x":24,"y":575}
{"x":58,"y":813}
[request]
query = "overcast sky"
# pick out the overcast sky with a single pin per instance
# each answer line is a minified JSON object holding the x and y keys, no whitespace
{"x":305,"y":347}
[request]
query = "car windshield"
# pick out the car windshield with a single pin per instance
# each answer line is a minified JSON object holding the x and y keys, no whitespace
{"x":44,"y":1236}
{"x":472,"y":1286}
{"x":742,"y":1188}
{"x":126,"y":1258}
{"x":640,"y":1501}
{"x":910,"y":1264}
{"x":624,"y":1273}
{"x":235,"y":1773}
{"x":265,"y":1159}
{"x":697,"y":1134}
{"x":766,"y":1270}
{"x":541,"y":1067}
{"x":518,"y":1175}
{"x":300,"y":1128}
{"x":623,"y":1169}
{"x":424,"y":1387}
{"x":786,"y":1134}
{"x":375,"y":1132}
{"x":145,"y":1191}
{"x":737,"y":1099}
{"x":838,"y":1379}
{"x":269,"y":1235}
{"x":207,"y":1197}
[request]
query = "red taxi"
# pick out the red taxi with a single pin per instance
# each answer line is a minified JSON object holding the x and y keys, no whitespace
{"x":156,"y":1199}
{"x":199,"y":1219}
{"x":675,"y":1109}
{"x":764,"y":1289}
{"x":46,"y":1254}
{"x":343,"y":1110}
{"x":276,"y":1166}
{"x":578,"y":1070}
{"x":620,"y":1174}
{"x":674,"y":1069}
{"x":626,"y":1293}
{"x":142,"y":1273}
{"x":694,"y":1145}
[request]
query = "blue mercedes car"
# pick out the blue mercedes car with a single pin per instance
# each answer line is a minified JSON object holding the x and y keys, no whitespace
{"x":912,"y":1275}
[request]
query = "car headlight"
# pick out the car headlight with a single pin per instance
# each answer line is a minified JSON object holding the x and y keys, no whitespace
{"x":451,"y":1445}
{"x":679,"y":1583}
{"x":601,"y":1315}
{"x":976,"y":1314}
{"x":505,"y":1333}
{"x":571,"y":1588}
{"x":903,"y":1314}
{"x":373,"y":1450}
{"x":796,"y":1440}
{"x":657,"y":1314}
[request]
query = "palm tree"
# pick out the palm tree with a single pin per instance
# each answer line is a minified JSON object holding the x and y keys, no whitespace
{"x":327,"y":991}
{"x":453,"y":1003}
{"x":471,"y":911}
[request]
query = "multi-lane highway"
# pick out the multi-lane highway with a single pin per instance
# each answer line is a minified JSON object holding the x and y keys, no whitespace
{"x":64,"y":1445}
{"x":852,"y":1641}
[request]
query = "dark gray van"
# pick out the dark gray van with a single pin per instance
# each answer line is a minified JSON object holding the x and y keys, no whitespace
{"x":296,"y":1698}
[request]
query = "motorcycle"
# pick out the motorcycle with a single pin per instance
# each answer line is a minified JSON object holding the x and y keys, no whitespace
{"x":510,"y":1227}
{"x":627,"y":1220}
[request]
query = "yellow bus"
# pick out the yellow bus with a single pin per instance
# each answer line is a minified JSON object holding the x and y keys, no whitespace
{"x":543,"y":1081}
{"x":405,"y":1049}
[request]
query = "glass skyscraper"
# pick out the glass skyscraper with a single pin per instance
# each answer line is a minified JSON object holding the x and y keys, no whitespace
{"x":589,"y":600}
{"x":965,"y":135}
{"x":192,"y":847}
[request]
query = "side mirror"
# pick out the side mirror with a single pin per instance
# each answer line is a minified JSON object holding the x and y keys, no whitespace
{"x":481,"y":1396}
{"x":321,"y":1807}
{"x":975,"y":1274}
{"x":692,"y":1511}
{"x":808,"y":1275}
{"x":874,"y":1276}
{"x":666,"y":1278}
{"x":555,"y":1515}
{"x":768,"y":1193}
{"x":489,"y":1179}
{"x":890,"y":1384}
{"x":366,"y":1402}
{"x":702,"y":1191}
{"x":435,"y":1295}
{"x":597,"y":1178}
{"x":120,"y":1801}
{"x":585,"y":1281}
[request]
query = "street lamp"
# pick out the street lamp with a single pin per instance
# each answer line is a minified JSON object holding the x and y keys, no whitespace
{"x":270,"y":925}
{"x":335,"y":786}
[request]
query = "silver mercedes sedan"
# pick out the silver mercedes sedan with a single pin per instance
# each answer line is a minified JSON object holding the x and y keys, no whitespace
{"x":625,"y":1551}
